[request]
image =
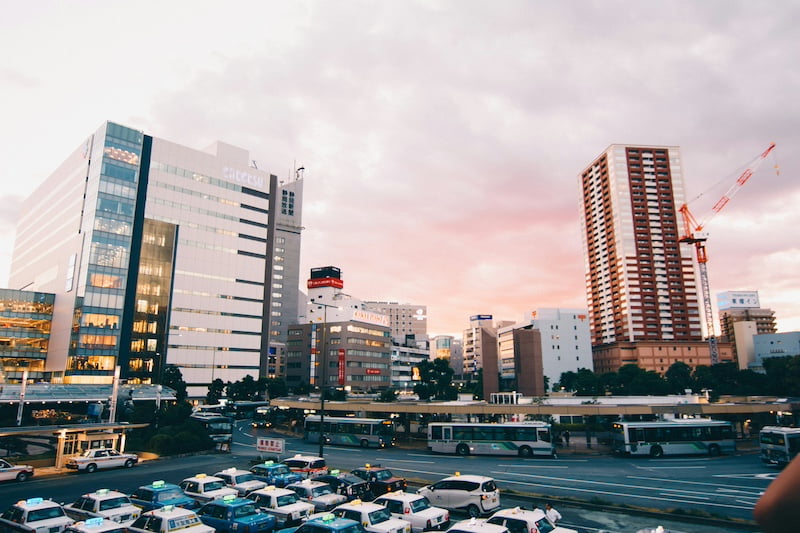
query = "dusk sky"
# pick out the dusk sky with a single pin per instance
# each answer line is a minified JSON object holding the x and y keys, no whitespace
{"x":442,"y":140}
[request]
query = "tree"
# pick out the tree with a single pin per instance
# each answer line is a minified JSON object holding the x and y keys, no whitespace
{"x":173,"y":379}
{"x":274,"y":387}
{"x":245,"y":390}
{"x":587,"y":383}
{"x":679,"y":377}
{"x":387,"y":395}
{"x":566,"y":381}
{"x":215,"y":391}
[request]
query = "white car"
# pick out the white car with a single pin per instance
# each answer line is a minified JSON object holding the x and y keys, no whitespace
{"x":478,"y":495}
{"x":168,"y":519}
{"x":35,"y":514}
{"x":243,"y":481}
{"x":96,"y":525}
{"x":317,"y":493}
{"x":475,"y":525}
{"x":524,"y":520}
{"x":283,"y":504}
{"x":375,"y":518}
{"x":14,"y":472}
{"x":308,"y":466}
{"x":416,"y":509}
{"x":204,"y":488}
{"x":104,"y":503}
{"x":99,"y":458}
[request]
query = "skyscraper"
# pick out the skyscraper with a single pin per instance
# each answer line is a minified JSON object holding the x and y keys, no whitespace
{"x":640,"y":280}
{"x":161,"y":254}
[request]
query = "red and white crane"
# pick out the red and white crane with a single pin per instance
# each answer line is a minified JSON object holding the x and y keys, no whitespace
{"x":693,"y":234}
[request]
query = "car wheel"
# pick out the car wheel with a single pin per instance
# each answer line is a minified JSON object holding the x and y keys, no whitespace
{"x":364,"y":443}
{"x":22,"y":476}
{"x":129,"y":463}
{"x":525,"y":451}
{"x":462,"y":449}
{"x":656,"y":452}
{"x":714,"y":450}
{"x":91,"y":468}
{"x":473,"y":511}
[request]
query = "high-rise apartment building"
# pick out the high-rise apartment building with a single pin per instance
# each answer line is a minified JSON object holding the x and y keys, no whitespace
{"x":161,"y":254}
{"x":741,"y":317}
{"x":640,"y":280}
{"x":405,"y":319}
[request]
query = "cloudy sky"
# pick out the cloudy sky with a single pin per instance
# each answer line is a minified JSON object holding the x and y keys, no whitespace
{"x":442,"y":140}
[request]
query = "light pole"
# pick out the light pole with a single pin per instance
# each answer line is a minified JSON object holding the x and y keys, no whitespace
{"x":323,"y":373}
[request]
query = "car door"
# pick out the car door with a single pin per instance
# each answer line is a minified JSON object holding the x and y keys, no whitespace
{"x":461,"y":494}
{"x":439,"y":494}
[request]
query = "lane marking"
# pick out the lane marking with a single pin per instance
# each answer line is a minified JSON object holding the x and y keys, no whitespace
{"x":661,"y":479}
{"x":687,"y":496}
{"x":411,"y":461}
{"x":438,"y":456}
{"x":669,"y":467}
{"x":538,"y":466}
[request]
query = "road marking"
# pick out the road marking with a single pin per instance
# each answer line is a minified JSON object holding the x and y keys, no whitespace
{"x":676,"y":460}
{"x":668,"y":467}
{"x":770,"y":476}
{"x":411,"y":461}
{"x":438,"y":456}
{"x":686,"y":496}
{"x":691,"y":482}
{"x":539,"y":466}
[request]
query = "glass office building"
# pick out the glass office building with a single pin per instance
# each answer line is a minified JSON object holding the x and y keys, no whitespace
{"x":25,"y":319}
{"x":161,"y":254}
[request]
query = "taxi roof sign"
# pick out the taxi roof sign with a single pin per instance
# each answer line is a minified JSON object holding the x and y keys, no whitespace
{"x":229,"y":497}
{"x":91,"y":522}
{"x":34,"y":501}
{"x":158,"y":484}
{"x":101,"y":491}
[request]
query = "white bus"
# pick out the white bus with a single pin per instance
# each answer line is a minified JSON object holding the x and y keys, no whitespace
{"x":779,"y":445}
{"x":682,"y":436}
{"x":524,"y":439}
{"x":364,"y":432}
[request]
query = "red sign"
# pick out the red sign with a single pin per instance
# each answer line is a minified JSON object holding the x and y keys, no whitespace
{"x":373,"y":371}
{"x":325,"y":282}
{"x":341,"y":366}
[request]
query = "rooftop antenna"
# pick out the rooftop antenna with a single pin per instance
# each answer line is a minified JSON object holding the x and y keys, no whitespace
{"x":255,"y":165}
{"x":298,"y":174}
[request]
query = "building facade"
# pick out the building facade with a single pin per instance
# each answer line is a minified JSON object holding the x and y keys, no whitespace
{"x":741,"y":317}
{"x":161,"y":254}
{"x":640,"y":280}
{"x":774,"y":345}
{"x":657,"y":356}
{"x":25,"y":321}
{"x":405,"y":366}
{"x":405,"y":319}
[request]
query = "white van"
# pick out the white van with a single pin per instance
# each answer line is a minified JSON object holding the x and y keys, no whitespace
{"x":478,"y":495}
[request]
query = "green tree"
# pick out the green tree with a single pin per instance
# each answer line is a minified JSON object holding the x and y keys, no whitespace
{"x":173,"y":379}
{"x":302,"y":388}
{"x":274,"y":387}
{"x":679,"y":377}
{"x":215,"y":391}
{"x":783,"y":375}
{"x":567,"y":381}
{"x":387,"y":395}
{"x":244,"y":390}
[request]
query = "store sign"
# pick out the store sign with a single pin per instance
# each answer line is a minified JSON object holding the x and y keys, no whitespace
{"x":325,"y":282}
{"x":373,"y":371}
{"x":370,"y":317}
{"x":341,"y":366}
{"x":243,"y":177}
{"x":480,"y":317}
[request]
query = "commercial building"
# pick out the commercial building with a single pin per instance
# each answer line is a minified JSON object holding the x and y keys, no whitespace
{"x":405,"y":319}
{"x":161,"y":254}
{"x":640,"y":280}
{"x":774,"y":345}
{"x":405,"y":366}
{"x":479,"y":344}
{"x":533,"y":354}
{"x":741,"y":317}
{"x":341,"y":343}
{"x":25,"y":320}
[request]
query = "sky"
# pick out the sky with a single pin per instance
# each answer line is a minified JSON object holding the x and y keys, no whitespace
{"x":441,"y":140}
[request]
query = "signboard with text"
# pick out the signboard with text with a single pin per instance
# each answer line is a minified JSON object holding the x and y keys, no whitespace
{"x":270,"y":445}
{"x":341,"y":366}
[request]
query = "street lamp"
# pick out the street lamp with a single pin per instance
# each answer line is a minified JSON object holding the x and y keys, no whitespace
{"x":323,"y":372}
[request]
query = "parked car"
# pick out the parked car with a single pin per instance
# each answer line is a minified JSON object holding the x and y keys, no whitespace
{"x":205,"y":488}
{"x":475,"y":525}
{"x":103,"y":503}
{"x":35,"y":514}
{"x":283,"y":504}
{"x":159,"y":494}
{"x":328,"y":523}
{"x":96,"y":525}
{"x":308,"y":466}
{"x":243,"y":481}
{"x":99,"y":458}
{"x":317,"y":493}
{"x":169,"y":519}
{"x":232,"y":514}
{"x":348,"y":485}
{"x":416,"y":509}
{"x":381,"y":480}
{"x":275,"y":474}
{"x":375,"y":518}
{"x":478,"y":495}
{"x":14,"y":472}
{"x":524,"y":520}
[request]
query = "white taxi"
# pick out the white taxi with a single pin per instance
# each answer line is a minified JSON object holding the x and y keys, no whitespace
{"x":416,"y":509}
{"x":317,"y":493}
{"x":99,"y":458}
{"x":205,"y":488}
{"x":243,"y":481}
{"x":14,"y":472}
{"x":519,"y":520}
{"x":478,"y":495}
{"x":375,"y":518}
{"x":35,"y":514}
{"x":104,"y":503}
{"x":96,"y":525}
{"x":168,"y":519}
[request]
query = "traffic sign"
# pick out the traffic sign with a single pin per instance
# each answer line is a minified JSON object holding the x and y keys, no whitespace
{"x":270,"y":445}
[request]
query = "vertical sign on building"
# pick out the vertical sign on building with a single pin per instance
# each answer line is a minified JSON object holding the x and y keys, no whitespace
{"x":341,"y":366}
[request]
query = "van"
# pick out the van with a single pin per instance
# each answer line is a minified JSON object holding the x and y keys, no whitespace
{"x":478,"y":495}
{"x":308,"y":466}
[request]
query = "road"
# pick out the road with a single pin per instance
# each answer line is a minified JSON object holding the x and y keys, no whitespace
{"x":727,"y":486}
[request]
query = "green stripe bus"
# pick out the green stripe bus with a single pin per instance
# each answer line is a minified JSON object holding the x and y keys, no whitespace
{"x":525,"y":439}
{"x":677,"y":437}
{"x":364,"y":432}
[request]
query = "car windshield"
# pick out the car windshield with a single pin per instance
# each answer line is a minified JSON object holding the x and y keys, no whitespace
{"x":45,"y":514}
{"x":350,"y":478}
{"x":213,"y":485}
{"x":170,"y":494}
{"x":281,"y":470}
{"x":383,"y":475}
{"x":321,"y":491}
{"x":243,"y":478}
{"x":420,"y":504}
{"x":381,"y":515}
{"x":244,"y":511}
{"x":287,"y":499}
{"x":355,"y":528}
{"x":544,"y":525}
{"x":113,"y":503}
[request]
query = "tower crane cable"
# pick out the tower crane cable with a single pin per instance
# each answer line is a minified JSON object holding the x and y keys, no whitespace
{"x":693,"y":234}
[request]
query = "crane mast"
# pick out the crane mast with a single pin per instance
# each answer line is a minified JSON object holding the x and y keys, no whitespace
{"x":693,"y":234}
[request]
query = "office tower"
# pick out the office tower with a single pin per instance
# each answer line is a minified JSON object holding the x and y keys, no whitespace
{"x":25,"y":320}
{"x":741,"y":317}
{"x":405,"y":319}
{"x":161,"y":254}
{"x":640,"y":280}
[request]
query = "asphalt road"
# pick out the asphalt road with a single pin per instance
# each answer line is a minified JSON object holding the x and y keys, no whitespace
{"x":726,"y":486}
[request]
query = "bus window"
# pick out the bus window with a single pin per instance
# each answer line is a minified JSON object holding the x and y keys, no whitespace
{"x":436,"y":432}
{"x":794,"y":444}
{"x":462,"y":433}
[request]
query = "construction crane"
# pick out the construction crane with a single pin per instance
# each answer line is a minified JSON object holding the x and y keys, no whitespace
{"x":693,"y":234}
